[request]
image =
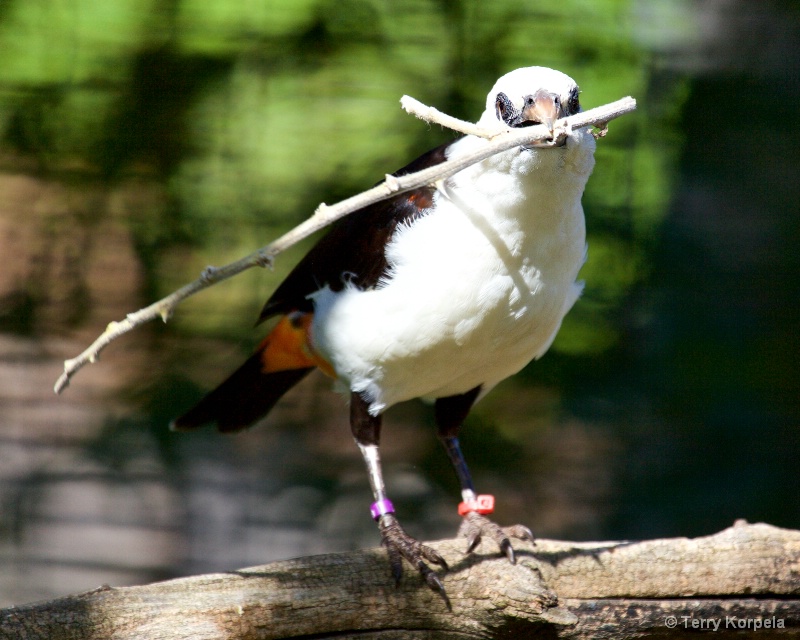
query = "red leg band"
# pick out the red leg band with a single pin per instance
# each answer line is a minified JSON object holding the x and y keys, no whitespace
{"x":481,"y":504}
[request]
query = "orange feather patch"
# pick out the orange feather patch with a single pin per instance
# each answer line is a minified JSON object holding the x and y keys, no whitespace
{"x":288,"y":346}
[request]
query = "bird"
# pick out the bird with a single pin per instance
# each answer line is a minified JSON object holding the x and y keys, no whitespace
{"x":438,"y":293}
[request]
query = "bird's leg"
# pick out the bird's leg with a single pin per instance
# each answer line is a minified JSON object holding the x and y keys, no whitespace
{"x":450,"y":413}
{"x":366,"y":431}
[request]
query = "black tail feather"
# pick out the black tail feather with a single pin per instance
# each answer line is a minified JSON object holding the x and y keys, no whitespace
{"x":247,"y":395}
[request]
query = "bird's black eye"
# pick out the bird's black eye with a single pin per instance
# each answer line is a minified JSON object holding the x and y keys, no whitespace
{"x":573,"y":104}
{"x":504,"y":108}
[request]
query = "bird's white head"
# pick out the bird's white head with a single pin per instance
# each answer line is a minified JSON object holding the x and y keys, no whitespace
{"x":528,"y":96}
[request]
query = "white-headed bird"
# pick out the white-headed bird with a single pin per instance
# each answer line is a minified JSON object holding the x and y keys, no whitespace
{"x":437,"y":293}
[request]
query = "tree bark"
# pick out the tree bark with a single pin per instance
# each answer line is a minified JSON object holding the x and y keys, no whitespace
{"x":744,"y":580}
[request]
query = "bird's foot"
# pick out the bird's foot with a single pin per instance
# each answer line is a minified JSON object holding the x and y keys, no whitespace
{"x":400,"y":545}
{"x":475,"y":527}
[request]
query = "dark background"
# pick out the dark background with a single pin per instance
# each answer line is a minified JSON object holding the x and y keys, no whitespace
{"x":142,"y":140}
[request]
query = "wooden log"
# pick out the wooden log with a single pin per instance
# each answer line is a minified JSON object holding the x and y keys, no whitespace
{"x":745,"y":579}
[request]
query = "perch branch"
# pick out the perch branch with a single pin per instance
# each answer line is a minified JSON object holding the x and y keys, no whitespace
{"x":325,"y":214}
{"x":744,"y":578}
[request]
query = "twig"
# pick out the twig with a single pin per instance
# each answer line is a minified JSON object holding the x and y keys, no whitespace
{"x":325,"y":215}
{"x":431,"y":114}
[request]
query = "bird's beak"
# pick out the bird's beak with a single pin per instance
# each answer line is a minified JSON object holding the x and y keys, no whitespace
{"x":545,"y":109}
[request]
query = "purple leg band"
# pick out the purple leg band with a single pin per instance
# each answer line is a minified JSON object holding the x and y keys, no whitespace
{"x":380,"y":508}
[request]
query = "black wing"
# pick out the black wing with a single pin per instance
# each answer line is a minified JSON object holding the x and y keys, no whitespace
{"x":354,"y":248}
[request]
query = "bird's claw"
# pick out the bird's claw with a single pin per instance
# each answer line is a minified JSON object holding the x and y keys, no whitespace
{"x":400,"y":545}
{"x":475,"y":526}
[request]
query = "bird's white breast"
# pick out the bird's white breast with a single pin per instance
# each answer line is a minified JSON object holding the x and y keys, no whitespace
{"x":477,"y":288}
